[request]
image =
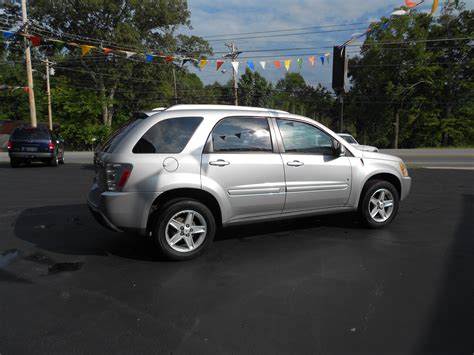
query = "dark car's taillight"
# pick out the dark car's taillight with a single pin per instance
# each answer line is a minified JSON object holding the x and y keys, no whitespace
{"x":9,"y":145}
{"x":117,"y":175}
{"x":51,"y":145}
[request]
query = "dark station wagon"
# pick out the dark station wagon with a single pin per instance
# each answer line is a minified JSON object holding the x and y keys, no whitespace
{"x":29,"y":144}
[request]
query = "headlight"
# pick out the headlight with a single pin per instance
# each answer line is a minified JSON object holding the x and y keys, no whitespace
{"x":403,"y":169}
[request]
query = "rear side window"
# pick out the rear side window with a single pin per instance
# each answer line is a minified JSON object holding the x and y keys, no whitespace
{"x":30,"y":133}
{"x":242,"y":134}
{"x":168,"y":136}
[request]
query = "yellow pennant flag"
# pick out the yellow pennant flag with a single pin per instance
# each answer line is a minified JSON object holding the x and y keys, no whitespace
{"x":203,"y":63}
{"x":287,"y":64}
{"x":85,"y":49}
{"x":433,"y":8}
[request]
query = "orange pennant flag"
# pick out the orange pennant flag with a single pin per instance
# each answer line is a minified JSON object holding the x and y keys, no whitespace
{"x":311,"y":60}
{"x":85,"y":49}
{"x":277,"y":64}
{"x":410,"y":3}
{"x":107,"y":50}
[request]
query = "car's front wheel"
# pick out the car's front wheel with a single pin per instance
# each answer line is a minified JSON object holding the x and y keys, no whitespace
{"x":184,"y":229}
{"x":379,"y":203}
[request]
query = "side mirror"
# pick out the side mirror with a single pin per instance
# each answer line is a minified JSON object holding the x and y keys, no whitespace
{"x":339,"y":149}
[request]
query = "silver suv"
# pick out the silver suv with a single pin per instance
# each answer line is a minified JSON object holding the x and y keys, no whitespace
{"x":182,"y":172}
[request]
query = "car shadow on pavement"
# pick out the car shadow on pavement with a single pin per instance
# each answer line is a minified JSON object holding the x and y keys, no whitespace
{"x":71,"y":230}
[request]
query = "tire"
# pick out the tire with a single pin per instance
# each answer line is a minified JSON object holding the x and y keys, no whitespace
{"x":14,"y":163}
{"x":173,"y":222}
{"x":54,"y":162}
{"x":61,"y":161}
{"x":373,"y":212}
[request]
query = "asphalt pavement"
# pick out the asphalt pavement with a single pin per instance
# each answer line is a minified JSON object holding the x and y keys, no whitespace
{"x":321,"y":285}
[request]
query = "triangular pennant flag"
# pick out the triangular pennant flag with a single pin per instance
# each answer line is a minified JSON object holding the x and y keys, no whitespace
{"x":35,"y":41}
{"x":85,"y":49}
{"x":59,"y":45}
{"x":287,"y":64}
{"x":327,"y":55}
{"x":219,"y":64}
{"x":26,"y":90}
{"x":409,"y":3}
{"x":238,"y":135}
{"x":251,"y":65}
{"x":149,"y":58}
{"x":311,"y":60}
{"x":129,"y":54}
{"x":300,"y":62}
{"x":235,"y":65}
{"x":434,"y":6}
{"x":203,"y":63}
{"x":107,"y":50}
{"x":322,"y":60}
{"x":262,"y":63}
{"x":8,"y":34}
{"x":169,"y":59}
{"x":277,"y":64}
{"x":222,"y":137}
{"x":185,"y":60}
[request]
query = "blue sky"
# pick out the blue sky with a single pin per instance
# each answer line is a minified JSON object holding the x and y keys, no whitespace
{"x":211,"y":18}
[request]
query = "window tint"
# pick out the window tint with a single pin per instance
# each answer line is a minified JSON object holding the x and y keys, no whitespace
{"x":116,"y":137}
{"x":349,"y":139}
{"x":168,"y":136}
{"x":30,"y":133}
{"x":301,"y":137}
{"x":242,"y":134}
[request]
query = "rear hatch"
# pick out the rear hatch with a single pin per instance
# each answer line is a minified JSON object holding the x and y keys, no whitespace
{"x":30,"y":140}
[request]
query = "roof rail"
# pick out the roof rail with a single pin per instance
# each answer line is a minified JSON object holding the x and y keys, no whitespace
{"x":182,"y":107}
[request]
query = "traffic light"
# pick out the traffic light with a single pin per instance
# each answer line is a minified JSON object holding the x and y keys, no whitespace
{"x":339,"y":70}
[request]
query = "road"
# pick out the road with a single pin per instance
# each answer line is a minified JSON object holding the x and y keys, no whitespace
{"x":426,"y":158}
{"x":312,"y":286}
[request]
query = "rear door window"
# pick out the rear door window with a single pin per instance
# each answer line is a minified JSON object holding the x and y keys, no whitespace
{"x":116,"y":137}
{"x":168,"y":136}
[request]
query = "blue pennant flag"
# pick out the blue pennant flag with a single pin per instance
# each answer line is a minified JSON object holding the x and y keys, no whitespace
{"x":149,"y":58}
{"x":322,"y":60}
{"x":251,"y":65}
{"x":8,"y":34}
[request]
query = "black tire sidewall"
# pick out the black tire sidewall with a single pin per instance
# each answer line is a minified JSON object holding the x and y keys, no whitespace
{"x":171,"y":209}
{"x":54,"y":160}
{"x":368,"y":191}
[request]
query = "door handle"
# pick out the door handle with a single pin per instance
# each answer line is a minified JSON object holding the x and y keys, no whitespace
{"x":295,"y":163}
{"x":219,"y":162}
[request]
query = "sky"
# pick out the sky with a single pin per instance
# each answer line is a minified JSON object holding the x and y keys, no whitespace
{"x":211,"y":18}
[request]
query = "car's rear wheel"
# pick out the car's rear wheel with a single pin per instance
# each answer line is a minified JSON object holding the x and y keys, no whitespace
{"x":184,"y":229}
{"x":379,"y":203}
{"x":54,"y":160}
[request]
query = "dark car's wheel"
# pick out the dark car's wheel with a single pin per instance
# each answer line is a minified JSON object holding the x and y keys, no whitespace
{"x":14,"y":163}
{"x":61,"y":161}
{"x":54,"y":160}
{"x":379,"y":203}
{"x":184,"y":229}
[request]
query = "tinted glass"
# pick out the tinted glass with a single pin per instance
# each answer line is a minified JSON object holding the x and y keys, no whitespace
{"x":168,"y":136}
{"x":30,"y":133}
{"x":301,"y":137}
{"x":117,"y":136}
{"x":242,"y":134}
{"x":349,"y":139}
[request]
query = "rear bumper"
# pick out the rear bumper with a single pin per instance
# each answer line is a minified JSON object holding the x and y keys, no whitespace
{"x":121,"y":211}
{"x":31,"y":155}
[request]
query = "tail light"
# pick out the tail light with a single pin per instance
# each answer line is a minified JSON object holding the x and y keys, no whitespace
{"x":51,"y":145}
{"x":117,"y":175}
{"x":9,"y":145}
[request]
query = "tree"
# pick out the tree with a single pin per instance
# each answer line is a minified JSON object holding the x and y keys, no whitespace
{"x":254,"y":90}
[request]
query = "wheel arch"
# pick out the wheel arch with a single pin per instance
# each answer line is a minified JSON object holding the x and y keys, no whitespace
{"x":391,"y":178}
{"x":196,"y":194}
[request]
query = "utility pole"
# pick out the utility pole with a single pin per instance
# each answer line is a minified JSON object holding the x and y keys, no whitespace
{"x":175,"y":87}
{"x":29,"y":72}
{"x":48,"y":93}
{"x":341,"y":98}
{"x":233,"y":54}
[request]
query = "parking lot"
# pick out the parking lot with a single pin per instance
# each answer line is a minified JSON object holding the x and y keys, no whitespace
{"x":321,"y":285}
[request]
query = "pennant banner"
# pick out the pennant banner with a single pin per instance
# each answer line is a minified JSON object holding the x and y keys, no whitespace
{"x":300,"y":62}
{"x":149,"y":58}
{"x":410,"y":4}
{"x":235,"y":65}
{"x":322,"y":60}
{"x":203,"y":63}
{"x":8,"y":34}
{"x":311,"y":60}
{"x":35,"y":41}
{"x":219,"y":64}
{"x":251,"y":65}
{"x":85,"y":49}
{"x":262,"y":64}
{"x":277,"y":64}
{"x":287,"y":64}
